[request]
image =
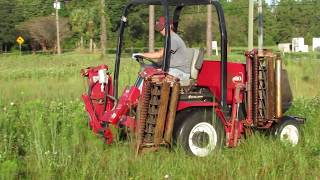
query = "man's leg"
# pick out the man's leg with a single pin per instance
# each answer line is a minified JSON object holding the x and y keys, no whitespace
{"x":179,"y":74}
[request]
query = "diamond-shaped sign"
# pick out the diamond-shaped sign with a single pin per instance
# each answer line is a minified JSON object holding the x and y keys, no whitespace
{"x":20,"y":40}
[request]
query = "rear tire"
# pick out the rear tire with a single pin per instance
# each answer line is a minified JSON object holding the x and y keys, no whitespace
{"x":196,"y":133}
{"x":288,"y":131}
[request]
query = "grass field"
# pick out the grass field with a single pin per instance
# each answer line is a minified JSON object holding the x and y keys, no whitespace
{"x":44,"y":135}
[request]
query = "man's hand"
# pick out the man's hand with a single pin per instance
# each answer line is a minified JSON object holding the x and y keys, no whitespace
{"x":158,"y":55}
{"x":135,"y":56}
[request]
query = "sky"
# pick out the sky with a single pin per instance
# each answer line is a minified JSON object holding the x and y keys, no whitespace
{"x":269,"y":1}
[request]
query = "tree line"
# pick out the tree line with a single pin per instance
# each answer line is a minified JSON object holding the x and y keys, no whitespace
{"x":82,"y":26}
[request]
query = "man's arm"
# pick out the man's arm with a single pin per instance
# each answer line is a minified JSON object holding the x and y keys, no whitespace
{"x":154,"y":55}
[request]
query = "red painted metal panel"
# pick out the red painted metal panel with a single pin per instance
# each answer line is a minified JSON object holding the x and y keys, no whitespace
{"x":209,"y":76}
{"x":186,"y":104}
{"x":128,"y":99}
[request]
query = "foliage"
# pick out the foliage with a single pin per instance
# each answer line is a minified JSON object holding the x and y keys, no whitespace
{"x":114,"y":11}
{"x":297,"y":19}
{"x":28,"y":9}
{"x":285,"y":20}
{"x":237,"y":22}
{"x":191,"y":30}
{"x":8,"y":18}
{"x":79,"y":19}
{"x":42,"y":30}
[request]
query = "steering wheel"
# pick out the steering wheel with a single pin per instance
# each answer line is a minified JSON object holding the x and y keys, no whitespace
{"x":140,"y":60}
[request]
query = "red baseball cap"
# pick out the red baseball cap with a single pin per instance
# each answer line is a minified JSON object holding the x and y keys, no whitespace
{"x":161,"y":23}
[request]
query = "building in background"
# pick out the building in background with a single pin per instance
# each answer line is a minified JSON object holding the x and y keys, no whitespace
{"x":316,"y":44}
{"x":298,"y":45}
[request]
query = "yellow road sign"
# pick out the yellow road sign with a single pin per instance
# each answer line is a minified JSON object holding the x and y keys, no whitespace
{"x":20,"y":40}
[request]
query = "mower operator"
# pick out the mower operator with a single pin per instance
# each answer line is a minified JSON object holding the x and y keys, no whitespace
{"x":179,"y":62}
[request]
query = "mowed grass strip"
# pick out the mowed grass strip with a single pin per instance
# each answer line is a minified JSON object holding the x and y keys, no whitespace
{"x":44,"y":132}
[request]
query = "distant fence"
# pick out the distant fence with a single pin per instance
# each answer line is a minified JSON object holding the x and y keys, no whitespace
{"x":108,"y":51}
{"x":129,"y":51}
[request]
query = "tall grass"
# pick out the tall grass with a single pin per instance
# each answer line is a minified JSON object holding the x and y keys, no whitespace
{"x":44,"y":133}
{"x":49,"y":77}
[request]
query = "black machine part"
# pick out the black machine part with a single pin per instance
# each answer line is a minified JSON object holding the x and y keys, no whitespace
{"x":200,"y":59}
{"x":286,"y":92}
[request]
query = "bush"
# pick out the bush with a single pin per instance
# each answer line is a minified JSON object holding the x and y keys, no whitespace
{"x":42,"y":31}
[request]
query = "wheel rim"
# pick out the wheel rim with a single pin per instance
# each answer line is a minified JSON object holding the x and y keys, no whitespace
{"x":290,"y":133}
{"x":202,"y":139}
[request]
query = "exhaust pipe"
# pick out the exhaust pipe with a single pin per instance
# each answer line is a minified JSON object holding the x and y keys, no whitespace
{"x":278,"y":71}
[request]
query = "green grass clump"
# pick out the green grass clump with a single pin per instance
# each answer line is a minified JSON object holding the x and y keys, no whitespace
{"x":44,"y":132}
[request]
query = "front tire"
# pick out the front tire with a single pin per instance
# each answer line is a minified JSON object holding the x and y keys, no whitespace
{"x":198,"y":133}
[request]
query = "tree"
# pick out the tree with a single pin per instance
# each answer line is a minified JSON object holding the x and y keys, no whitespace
{"x":34,"y":8}
{"x":103,"y":35}
{"x":297,"y":19}
{"x":93,"y":29}
{"x":237,"y":22}
{"x":79,"y":20}
{"x":193,"y":31}
{"x":290,"y":18}
{"x":114,"y":11}
{"x":270,"y":26}
{"x":84,"y":20}
{"x":8,"y":18}
{"x":42,"y":30}
{"x":91,"y":34}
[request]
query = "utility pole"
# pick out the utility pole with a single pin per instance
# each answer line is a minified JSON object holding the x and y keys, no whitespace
{"x":103,"y":35}
{"x":57,"y":7}
{"x":260,"y":36}
{"x":209,"y":30}
{"x":273,"y":5}
{"x":250,"y":25}
{"x":151,"y":28}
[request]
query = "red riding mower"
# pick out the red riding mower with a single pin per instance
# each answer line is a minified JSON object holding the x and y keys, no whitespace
{"x":220,"y":104}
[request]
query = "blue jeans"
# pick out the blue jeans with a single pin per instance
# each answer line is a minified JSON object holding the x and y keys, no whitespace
{"x":179,"y":74}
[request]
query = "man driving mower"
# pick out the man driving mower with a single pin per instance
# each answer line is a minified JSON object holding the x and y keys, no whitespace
{"x":180,"y":61}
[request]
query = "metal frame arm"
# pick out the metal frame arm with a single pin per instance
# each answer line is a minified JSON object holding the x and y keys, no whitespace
{"x":119,"y":48}
{"x":224,"y":53}
{"x":176,"y":16}
{"x":167,"y":43}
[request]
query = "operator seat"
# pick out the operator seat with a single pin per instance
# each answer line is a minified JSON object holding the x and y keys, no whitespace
{"x":197,"y":56}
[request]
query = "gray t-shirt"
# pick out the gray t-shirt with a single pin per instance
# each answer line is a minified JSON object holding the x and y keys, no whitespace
{"x":179,"y":54}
